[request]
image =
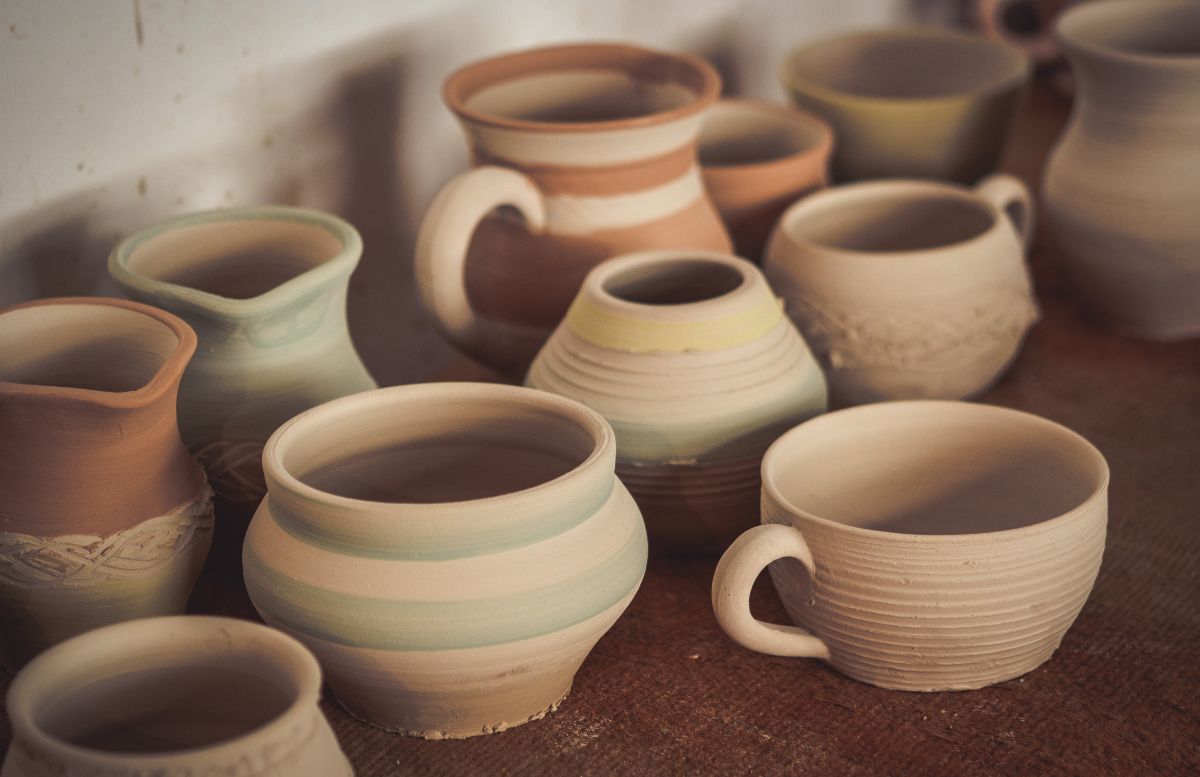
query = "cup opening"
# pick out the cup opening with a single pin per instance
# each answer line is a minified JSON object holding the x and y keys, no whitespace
{"x":429,"y":449}
{"x":83,"y":346}
{"x":933,"y":468}
{"x":887,"y":220}
{"x":674,"y":281}
{"x":1169,"y":30}
{"x":918,"y":63}
{"x":234,"y":258}
{"x":744,"y":135}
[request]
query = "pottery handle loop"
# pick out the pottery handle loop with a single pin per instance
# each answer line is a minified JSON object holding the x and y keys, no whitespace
{"x":742,"y":563}
{"x":441,"y":254}
{"x":1012,"y":197}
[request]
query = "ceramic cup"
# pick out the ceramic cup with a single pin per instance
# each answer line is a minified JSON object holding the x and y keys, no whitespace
{"x":908,"y":289}
{"x":690,"y":358}
{"x":171,"y":697}
{"x":450,"y":551}
{"x":927,"y":545}
{"x":757,"y":158}
{"x":911,"y":102}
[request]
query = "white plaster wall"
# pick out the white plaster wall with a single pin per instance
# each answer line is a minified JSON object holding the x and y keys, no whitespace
{"x":118,"y":113}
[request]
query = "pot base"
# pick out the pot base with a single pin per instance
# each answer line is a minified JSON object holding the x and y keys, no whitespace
{"x":434,"y":734}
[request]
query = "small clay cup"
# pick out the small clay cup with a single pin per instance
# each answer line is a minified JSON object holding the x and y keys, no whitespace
{"x":174,"y":696}
{"x":921,"y":546}
{"x":757,"y":158}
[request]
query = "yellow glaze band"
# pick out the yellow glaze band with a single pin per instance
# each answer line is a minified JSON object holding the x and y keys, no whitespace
{"x":617,"y":331}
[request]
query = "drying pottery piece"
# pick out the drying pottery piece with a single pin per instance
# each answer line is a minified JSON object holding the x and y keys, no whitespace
{"x":911,"y":102}
{"x":908,"y":289}
{"x":758,"y":158}
{"x":595,"y":147}
{"x":172,"y":697}
{"x":1026,"y":24}
{"x":1122,"y":186}
{"x":690,"y":358}
{"x":103,"y":514}
{"x":928,"y":546}
{"x":450,"y":551}
{"x":265,"y":290}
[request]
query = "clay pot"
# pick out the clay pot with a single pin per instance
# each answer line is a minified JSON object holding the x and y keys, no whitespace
{"x":922,"y":546}
{"x":103,"y":514}
{"x":1122,"y":186}
{"x":908,"y":289}
{"x":172,"y":697}
{"x":595,"y":147}
{"x":690,"y":358}
{"x":911,"y":102}
{"x":757,"y":158}
{"x":450,"y":551}
{"x":265,"y":290}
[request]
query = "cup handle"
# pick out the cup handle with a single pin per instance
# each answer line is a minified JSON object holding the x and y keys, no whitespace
{"x":441,"y":256}
{"x":1012,"y":197}
{"x":736,"y":572}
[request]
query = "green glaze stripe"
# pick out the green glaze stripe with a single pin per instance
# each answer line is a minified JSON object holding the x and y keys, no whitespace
{"x":386,"y":624}
{"x":443,"y":543}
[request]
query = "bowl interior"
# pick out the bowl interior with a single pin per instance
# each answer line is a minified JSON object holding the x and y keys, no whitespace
{"x":738,"y":134}
{"x":673,"y":281}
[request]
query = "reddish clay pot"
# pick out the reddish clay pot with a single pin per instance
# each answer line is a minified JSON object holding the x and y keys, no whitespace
{"x":104,"y":516}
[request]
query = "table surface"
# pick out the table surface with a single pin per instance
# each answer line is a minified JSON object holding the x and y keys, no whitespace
{"x":665,"y":692}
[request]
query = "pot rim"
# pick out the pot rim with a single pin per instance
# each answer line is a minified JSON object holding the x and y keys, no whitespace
{"x":165,"y":380}
{"x":1099,"y":493}
{"x":823,"y":147}
{"x":274,"y":298}
{"x":1065,"y":30}
{"x":463,"y":83}
{"x":112,"y":643}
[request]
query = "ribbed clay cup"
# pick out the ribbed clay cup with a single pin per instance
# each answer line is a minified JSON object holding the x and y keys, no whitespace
{"x":265,"y":289}
{"x":172,"y":697}
{"x":926,"y":546}
{"x":689,"y":356}
{"x":450,"y":551}
{"x":103,"y":514}
{"x":757,"y":158}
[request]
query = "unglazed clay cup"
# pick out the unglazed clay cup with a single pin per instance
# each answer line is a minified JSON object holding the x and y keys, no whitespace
{"x":757,"y":158}
{"x":922,"y":546}
{"x":908,"y":289}
{"x":691,"y":359}
{"x":450,"y":551}
{"x":184,"y":695}
{"x":911,"y":102}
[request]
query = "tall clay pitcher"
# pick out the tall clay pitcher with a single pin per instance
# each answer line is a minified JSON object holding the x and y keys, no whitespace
{"x":594,"y":145}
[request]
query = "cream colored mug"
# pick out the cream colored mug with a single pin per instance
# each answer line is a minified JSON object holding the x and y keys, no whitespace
{"x":923,"y":545}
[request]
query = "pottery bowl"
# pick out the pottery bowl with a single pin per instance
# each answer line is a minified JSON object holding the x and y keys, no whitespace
{"x":757,"y":158}
{"x":171,"y":696}
{"x":450,"y":551}
{"x":933,"y":545}
{"x":918,"y":102}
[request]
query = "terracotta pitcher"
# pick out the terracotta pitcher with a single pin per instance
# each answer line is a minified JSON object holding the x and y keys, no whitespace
{"x":595,"y":146}
{"x":265,"y":290}
{"x":103,"y":514}
{"x":1122,"y":188}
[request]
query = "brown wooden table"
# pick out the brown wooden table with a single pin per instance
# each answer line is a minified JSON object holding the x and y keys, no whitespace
{"x":666,"y":693}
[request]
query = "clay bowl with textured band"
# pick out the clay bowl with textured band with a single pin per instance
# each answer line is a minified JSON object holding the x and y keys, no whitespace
{"x":757,"y":158}
{"x":172,"y":697}
{"x":922,"y":546}
{"x":908,"y":289}
{"x":104,"y":516}
{"x":911,"y":102}
{"x":450,"y":551}
{"x":265,"y":289}
{"x":689,"y":356}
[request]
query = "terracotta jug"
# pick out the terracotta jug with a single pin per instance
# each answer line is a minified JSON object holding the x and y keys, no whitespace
{"x":595,"y":147}
{"x":265,"y":290}
{"x":1122,"y":188}
{"x":103,"y":514}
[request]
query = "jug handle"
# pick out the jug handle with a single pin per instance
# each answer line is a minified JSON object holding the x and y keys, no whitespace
{"x":1012,"y":197}
{"x":441,"y":255}
{"x":736,"y":572}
